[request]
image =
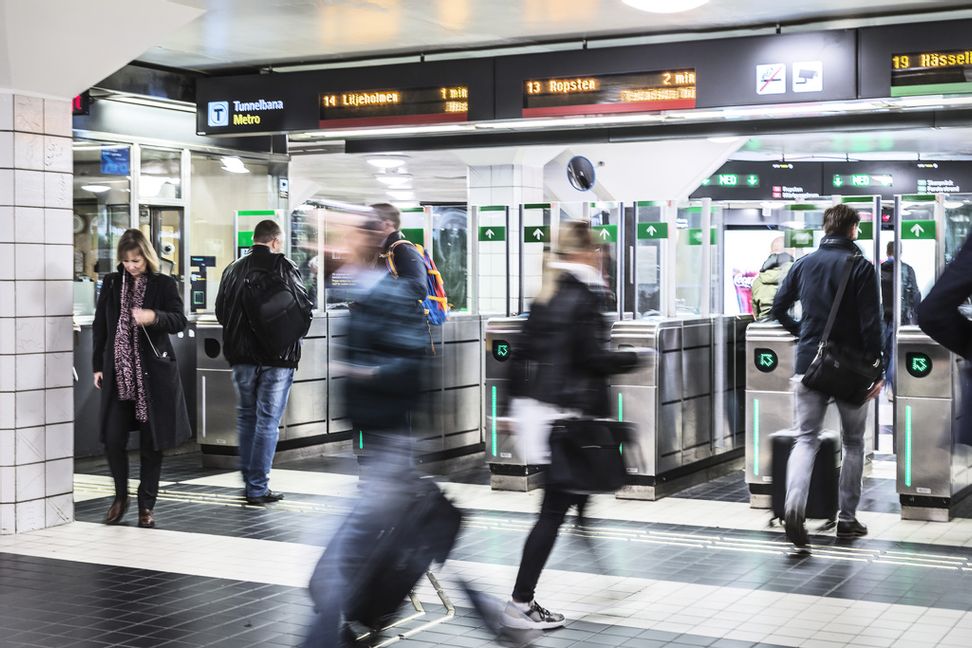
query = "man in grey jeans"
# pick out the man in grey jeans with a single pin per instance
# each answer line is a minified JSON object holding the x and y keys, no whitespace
{"x":814,"y":280}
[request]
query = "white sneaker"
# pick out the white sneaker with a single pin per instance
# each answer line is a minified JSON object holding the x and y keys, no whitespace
{"x":536,"y":617}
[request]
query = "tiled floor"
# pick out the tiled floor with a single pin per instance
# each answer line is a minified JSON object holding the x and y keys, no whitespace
{"x":700,"y":569}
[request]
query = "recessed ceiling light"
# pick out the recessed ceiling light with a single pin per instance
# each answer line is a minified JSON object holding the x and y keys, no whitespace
{"x":386,"y":161}
{"x":402,"y":195}
{"x":394,"y":180}
{"x":96,"y":188}
{"x":665,"y":6}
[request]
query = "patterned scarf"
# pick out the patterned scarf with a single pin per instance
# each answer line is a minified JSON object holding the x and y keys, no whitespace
{"x":128,"y":346}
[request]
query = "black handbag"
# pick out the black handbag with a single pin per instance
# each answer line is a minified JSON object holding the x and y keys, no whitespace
{"x":585,"y":455}
{"x":842,"y":373}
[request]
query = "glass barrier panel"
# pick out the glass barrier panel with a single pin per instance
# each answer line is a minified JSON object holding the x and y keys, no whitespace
{"x":651,"y":234}
{"x":606,"y":223}
{"x":535,"y":241}
{"x":160,"y":174}
{"x":450,"y":251}
{"x":496,"y":260}
{"x":690,"y":283}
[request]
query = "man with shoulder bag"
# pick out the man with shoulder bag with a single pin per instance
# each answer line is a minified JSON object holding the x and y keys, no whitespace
{"x":839,"y":357}
{"x":265,"y":312}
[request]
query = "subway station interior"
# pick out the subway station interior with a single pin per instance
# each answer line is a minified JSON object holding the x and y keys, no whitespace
{"x":696,"y":138}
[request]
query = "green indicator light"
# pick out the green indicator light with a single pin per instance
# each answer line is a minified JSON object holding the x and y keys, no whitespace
{"x":501,"y":350}
{"x":766,"y":360}
{"x":752,"y":180}
{"x":360,"y":440}
{"x":908,"y":446}
{"x":621,"y":417}
{"x":919,"y":365}
{"x":838,"y":181}
{"x":493,"y":422}
{"x":756,"y":437}
{"x":727,"y":179}
{"x":861,"y":180}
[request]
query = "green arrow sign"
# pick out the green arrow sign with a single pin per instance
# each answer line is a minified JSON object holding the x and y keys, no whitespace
{"x":414,"y":234}
{"x":865,"y":231}
{"x":695,"y":236}
{"x":501,"y":350}
{"x":492,"y":233}
{"x":605,"y":233}
{"x":752,"y":180}
{"x":798,"y":238}
{"x":766,"y":360}
{"x":918,"y":365}
{"x":536,"y":234}
{"x":650,"y":231}
{"x":918,"y":229}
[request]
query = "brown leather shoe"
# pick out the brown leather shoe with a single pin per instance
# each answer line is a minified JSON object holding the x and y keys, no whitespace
{"x":117,"y":511}
{"x":145,"y":519}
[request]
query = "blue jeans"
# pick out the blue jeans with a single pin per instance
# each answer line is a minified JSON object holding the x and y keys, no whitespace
{"x":261,"y":396}
{"x":811,"y":409}
{"x":888,"y":334}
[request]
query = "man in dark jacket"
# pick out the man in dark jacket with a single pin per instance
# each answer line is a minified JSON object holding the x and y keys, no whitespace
{"x":938,"y":314}
{"x":262,"y":379}
{"x":910,"y":298}
{"x":400,"y":257}
{"x":814,"y":281}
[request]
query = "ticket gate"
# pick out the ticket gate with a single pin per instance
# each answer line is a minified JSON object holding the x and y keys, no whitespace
{"x":676,"y":404}
{"x":934,"y":471}
{"x":770,"y":403}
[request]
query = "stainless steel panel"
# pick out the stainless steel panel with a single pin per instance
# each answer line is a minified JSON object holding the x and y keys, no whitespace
{"x":696,"y":333}
{"x":501,"y":447}
{"x":307,"y":403}
{"x":318,"y":327}
{"x":465,"y":406}
{"x":771,"y":336}
{"x":461,"y":327}
{"x":766,"y":413}
{"x":668,"y":433}
{"x":670,"y":336}
{"x":313,"y":360}
{"x":923,"y":427}
{"x":638,"y":408}
{"x":216,"y":401}
{"x":696,"y":372}
{"x":938,"y":383}
{"x":696,"y":428}
{"x":336,"y":402}
{"x":670,"y":373}
{"x":461,"y":440}
{"x":460,"y":364}
{"x":306,"y":430}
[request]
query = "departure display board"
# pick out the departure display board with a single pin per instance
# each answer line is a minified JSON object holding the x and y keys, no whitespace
{"x":609,"y":93}
{"x":389,"y":106}
{"x":924,"y":73}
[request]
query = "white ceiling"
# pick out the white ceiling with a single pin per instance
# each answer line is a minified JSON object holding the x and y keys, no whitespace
{"x":440,"y":176}
{"x":262,"y":32}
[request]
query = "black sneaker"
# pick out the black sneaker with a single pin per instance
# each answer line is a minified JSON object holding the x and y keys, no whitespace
{"x":536,"y":617}
{"x":796,"y":531}
{"x":267,"y":498}
{"x":850,"y":530}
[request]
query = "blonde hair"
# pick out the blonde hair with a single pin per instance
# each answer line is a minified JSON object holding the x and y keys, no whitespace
{"x":133,"y":240}
{"x":574,"y":237}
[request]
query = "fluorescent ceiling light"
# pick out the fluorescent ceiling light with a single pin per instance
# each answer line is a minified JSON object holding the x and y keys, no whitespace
{"x":233,"y":164}
{"x":728,"y":139}
{"x":665,"y":6}
{"x":405,"y":204}
{"x":402,"y":195}
{"x":396,"y":130}
{"x":96,"y":188}
{"x":394,"y":180}
{"x":953,"y":204}
{"x":386,"y":162}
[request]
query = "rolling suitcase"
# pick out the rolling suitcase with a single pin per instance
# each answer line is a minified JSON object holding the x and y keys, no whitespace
{"x":822,"y":498}
{"x":421,"y":532}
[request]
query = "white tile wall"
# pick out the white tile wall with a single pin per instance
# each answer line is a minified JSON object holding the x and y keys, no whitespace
{"x":31,"y":515}
{"x":59,"y":334}
{"x":8,"y":518}
{"x":29,"y":151}
{"x":7,"y":261}
{"x":59,"y":262}
{"x":7,"y":304}
{"x":60,"y":297}
{"x":8,"y":445}
{"x":30,"y":445}
{"x":57,"y":117}
{"x":29,"y":333}
{"x":29,"y":188}
{"x":60,"y":509}
{"x":59,"y":477}
{"x":58,"y":226}
{"x":60,"y":405}
{"x":29,"y":259}
{"x":7,"y":409}
{"x":58,"y":155}
{"x":28,"y":115}
{"x":6,"y":224}
{"x":58,"y":190}
{"x":59,"y":369}
{"x":6,"y":186}
{"x":30,"y":481}
{"x":6,"y":150}
{"x":8,"y":372}
{"x":30,"y":371}
{"x":59,"y":441}
{"x":29,"y":225}
{"x":29,"y":410}
{"x":6,"y":111}
{"x":8,"y":485}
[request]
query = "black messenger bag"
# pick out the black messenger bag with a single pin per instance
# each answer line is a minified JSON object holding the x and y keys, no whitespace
{"x":842,"y":373}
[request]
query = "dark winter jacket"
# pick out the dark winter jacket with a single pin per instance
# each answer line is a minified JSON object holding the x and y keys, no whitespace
{"x":388,"y":338}
{"x":814,"y":280}
{"x":168,"y":418}
{"x":938,"y":314}
{"x":563,"y":357}
{"x":240,"y":344}
{"x":910,"y":294}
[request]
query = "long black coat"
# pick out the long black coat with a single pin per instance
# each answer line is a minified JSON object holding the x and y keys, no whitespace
{"x":168,"y":418}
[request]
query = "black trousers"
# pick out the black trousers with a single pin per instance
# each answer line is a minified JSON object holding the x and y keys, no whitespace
{"x":541,"y":540}
{"x":120,"y":421}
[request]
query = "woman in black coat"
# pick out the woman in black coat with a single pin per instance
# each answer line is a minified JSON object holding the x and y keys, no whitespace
{"x":135,"y":369}
{"x":564,"y":362}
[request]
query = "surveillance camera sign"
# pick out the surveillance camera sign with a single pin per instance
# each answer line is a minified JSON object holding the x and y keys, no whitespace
{"x":808,"y":76}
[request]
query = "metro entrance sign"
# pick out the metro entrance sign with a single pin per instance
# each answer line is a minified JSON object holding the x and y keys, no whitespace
{"x":918,"y":229}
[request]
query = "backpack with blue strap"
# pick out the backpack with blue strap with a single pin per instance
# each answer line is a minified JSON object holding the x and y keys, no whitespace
{"x":435,"y":304}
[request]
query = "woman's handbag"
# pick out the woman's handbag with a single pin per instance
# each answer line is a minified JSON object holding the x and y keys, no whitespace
{"x":585,"y":455}
{"x":841,"y":373}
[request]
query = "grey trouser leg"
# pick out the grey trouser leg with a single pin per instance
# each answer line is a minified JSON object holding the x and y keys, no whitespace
{"x":811,"y":409}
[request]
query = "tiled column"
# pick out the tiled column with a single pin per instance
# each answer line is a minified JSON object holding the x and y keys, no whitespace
{"x":36,"y":334}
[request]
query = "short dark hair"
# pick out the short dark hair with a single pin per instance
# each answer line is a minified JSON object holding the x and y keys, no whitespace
{"x":389,"y":213}
{"x":840,"y":220}
{"x":890,"y":249}
{"x":266,"y":231}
